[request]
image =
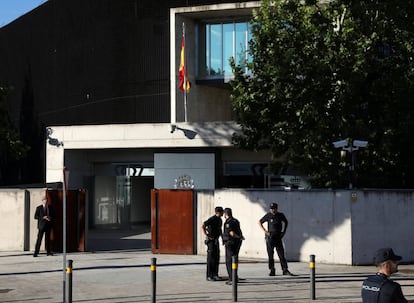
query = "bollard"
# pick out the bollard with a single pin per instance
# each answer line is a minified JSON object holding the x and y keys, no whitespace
{"x":69,"y":268}
{"x":234,"y":277}
{"x":312,"y":277}
{"x":153,"y":278}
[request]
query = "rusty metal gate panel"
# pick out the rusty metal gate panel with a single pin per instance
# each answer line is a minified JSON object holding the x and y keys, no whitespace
{"x":172,"y":221}
{"x":75,"y":220}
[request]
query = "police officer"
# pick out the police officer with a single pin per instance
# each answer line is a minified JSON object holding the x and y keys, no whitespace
{"x":232,"y":239}
{"x":276,"y":229}
{"x":212,"y":229}
{"x":379,"y":288}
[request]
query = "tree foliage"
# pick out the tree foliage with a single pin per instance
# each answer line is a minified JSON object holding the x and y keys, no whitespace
{"x":11,"y":147}
{"x":326,"y":72}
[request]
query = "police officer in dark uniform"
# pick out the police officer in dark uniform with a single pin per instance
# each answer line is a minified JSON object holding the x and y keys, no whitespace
{"x":232,"y":239}
{"x":276,"y":229}
{"x":212,"y":229}
{"x":379,"y":288}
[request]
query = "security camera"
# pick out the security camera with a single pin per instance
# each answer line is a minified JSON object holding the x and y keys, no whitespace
{"x":50,"y":140}
{"x":55,"y":142}
{"x":360,"y":143}
{"x":340,"y":144}
{"x":49,"y":131}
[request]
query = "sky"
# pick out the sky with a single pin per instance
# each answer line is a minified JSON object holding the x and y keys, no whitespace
{"x":13,"y":9}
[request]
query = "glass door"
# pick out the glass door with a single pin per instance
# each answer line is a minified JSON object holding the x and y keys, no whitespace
{"x":123,"y":200}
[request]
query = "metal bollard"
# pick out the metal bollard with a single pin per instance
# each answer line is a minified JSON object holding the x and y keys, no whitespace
{"x":69,"y":281}
{"x":153,"y":278}
{"x":234,"y":277}
{"x":312,"y":277}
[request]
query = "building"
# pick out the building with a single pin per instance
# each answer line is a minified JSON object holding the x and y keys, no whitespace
{"x":96,"y":91}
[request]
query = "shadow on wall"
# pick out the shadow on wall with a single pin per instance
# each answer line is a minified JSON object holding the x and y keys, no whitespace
{"x":319,"y":223}
{"x":338,"y":226}
{"x":313,"y":219}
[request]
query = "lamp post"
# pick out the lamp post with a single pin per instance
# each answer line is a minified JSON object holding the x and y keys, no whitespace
{"x":351,"y":149}
{"x":55,"y":142}
{"x":65,"y":189}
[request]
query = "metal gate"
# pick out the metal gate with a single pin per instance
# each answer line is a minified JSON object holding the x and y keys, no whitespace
{"x":75,"y":220}
{"x":172,"y":221}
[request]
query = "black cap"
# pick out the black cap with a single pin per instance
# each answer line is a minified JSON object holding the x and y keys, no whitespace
{"x":385,"y":254}
{"x":273,"y":205}
{"x":218,"y":209}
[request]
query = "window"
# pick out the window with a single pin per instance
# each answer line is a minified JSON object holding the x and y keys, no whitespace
{"x":220,"y":41}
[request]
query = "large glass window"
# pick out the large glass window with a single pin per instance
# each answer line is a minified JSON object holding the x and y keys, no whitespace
{"x":222,"y":41}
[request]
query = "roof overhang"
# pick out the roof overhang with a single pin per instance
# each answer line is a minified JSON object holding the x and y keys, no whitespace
{"x":158,"y":135}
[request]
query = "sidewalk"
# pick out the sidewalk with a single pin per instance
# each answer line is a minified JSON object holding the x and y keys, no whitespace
{"x":125,"y":276}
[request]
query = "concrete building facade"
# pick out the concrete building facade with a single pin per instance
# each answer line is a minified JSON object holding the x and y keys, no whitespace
{"x":96,"y":93}
{"x":100,"y":97}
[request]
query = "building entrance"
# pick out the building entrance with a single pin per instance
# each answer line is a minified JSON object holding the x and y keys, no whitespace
{"x":121,"y":201}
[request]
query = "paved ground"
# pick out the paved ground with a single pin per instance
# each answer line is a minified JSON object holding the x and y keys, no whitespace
{"x":125,"y":276}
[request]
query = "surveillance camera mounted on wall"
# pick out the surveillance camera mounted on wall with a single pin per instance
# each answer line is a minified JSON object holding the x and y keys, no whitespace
{"x":360,"y":143}
{"x":356,"y":144}
{"x":340,"y":144}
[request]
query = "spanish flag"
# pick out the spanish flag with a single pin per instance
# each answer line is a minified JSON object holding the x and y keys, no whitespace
{"x":185,"y":84}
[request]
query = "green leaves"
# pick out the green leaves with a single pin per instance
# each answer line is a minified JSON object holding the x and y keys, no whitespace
{"x":325,"y":72}
{"x":11,"y":147}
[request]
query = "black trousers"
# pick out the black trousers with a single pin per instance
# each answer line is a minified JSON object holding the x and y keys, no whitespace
{"x":213,"y":258}
{"x":43,"y":229}
{"x":271,"y":244}
{"x":232,"y":249}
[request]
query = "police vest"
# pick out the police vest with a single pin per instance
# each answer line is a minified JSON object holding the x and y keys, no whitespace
{"x":371,"y":288}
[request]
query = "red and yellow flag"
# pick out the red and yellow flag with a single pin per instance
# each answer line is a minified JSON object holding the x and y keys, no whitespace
{"x":185,"y":84}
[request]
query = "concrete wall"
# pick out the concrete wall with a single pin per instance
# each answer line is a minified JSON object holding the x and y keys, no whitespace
{"x":127,"y":136}
{"x":19,"y":229}
{"x":339,"y":227}
{"x":204,"y":102}
{"x":12,"y":223}
{"x":170,"y":167}
{"x":382,"y":218}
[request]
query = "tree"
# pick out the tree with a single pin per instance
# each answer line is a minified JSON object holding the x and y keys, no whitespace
{"x":11,"y":147}
{"x":325,"y":72}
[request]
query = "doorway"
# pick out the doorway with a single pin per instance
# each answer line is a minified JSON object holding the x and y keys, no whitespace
{"x":120,"y":209}
{"x":121,"y":202}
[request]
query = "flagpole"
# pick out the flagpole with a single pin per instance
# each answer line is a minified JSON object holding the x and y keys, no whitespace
{"x":185,"y":78}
